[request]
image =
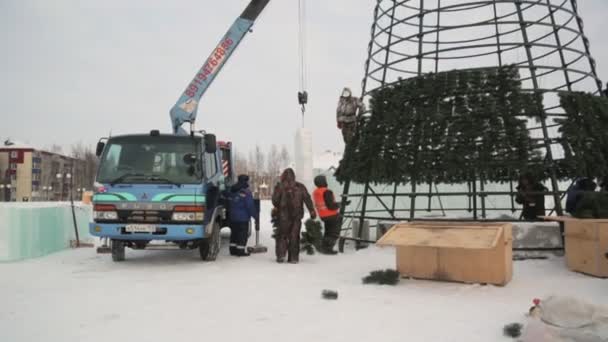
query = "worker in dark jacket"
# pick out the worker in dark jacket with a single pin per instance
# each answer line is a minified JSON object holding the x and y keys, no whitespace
{"x":576,"y":192}
{"x":242,"y":210}
{"x":328,"y":211}
{"x":529,"y":195}
{"x":289,"y":197}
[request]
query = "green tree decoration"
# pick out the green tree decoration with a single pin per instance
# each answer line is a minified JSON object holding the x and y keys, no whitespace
{"x":451,"y":127}
{"x":583,"y":135}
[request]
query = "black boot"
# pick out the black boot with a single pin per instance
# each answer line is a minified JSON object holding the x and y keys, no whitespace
{"x":233,"y":250}
{"x":328,"y":248}
{"x":241,"y":251}
{"x":329,"y":251}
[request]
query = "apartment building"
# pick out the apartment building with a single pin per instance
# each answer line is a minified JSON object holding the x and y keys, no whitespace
{"x":30,"y":174}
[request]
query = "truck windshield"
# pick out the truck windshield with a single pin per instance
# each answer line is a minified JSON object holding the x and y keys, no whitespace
{"x":149,"y":159}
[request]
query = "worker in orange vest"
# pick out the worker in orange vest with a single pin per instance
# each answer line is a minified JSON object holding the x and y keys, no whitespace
{"x":328,"y":211}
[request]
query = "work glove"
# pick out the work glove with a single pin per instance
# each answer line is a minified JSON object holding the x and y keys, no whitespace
{"x":313,"y":215}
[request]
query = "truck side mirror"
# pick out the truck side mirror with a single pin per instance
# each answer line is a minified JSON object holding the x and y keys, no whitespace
{"x":210,"y":143}
{"x":100,"y":147}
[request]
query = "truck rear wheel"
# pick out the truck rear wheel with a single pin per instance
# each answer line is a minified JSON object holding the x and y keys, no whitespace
{"x":118,"y":250}
{"x":209,"y":248}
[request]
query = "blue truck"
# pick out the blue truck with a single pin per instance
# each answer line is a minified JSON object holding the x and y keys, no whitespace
{"x":168,"y":187}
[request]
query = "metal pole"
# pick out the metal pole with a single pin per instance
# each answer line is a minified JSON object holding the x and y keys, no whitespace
{"x":394,"y":200}
{"x":362,"y":217}
{"x":543,"y":115}
{"x":498,"y":46}
{"x":430,"y":203}
{"x":420,"y":50}
{"x":73,"y":209}
{"x":437,"y":40}
{"x":413,"y":200}
{"x":558,"y":41}
{"x":389,"y":43}
{"x":579,"y":21}
{"x":474,"y":199}
{"x":420,"y":36}
{"x":370,"y":47}
{"x":483,"y":197}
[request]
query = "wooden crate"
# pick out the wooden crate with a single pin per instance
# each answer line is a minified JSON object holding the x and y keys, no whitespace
{"x":469,"y":252}
{"x":87,"y":197}
{"x":586,"y":245}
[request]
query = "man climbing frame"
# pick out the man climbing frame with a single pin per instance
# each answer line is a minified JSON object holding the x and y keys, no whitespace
{"x":347,"y":115}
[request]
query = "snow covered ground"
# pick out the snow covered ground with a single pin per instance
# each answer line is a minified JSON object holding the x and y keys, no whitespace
{"x":77,"y":295}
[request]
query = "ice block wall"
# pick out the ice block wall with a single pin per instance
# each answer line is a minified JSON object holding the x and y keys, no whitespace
{"x":304,"y":158}
{"x":29,"y":230}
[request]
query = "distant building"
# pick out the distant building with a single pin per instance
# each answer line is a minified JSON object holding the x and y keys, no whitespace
{"x":29,"y":174}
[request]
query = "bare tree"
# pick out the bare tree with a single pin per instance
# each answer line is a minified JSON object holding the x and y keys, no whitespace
{"x":55,"y":148}
{"x":259,"y":160}
{"x":78,"y":150}
{"x":85,"y":166}
{"x":252,"y":164}
{"x":273,"y":166}
{"x":285,"y":158}
{"x":241,"y":166}
{"x":258,"y":171}
{"x":90,"y":168}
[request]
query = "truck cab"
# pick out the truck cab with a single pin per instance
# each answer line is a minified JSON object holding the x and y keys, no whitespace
{"x":152,"y":187}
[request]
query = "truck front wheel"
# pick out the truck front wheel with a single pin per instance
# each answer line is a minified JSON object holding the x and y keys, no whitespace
{"x":118,"y":250}
{"x":203,"y":249}
{"x":209,"y":248}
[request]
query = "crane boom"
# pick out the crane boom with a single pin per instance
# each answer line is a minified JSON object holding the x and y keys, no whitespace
{"x":185,"y":109}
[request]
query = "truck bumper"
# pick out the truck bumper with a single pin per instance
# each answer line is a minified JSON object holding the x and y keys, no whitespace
{"x":167,"y":232}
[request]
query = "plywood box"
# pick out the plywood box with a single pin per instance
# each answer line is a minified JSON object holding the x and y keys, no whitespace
{"x":470,"y":252}
{"x":87,"y":197}
{"x":586,"y":245}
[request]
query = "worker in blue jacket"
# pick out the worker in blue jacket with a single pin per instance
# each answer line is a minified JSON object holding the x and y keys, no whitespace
{"x":242,"y":210}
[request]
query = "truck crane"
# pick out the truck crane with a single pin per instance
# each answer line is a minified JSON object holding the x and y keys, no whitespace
{"x":166,"y":187}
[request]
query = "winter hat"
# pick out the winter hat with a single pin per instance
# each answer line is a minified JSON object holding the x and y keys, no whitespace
{"x":321,"y":181}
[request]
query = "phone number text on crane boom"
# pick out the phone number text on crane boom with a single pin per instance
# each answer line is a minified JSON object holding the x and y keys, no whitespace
{"x":216,"y":59}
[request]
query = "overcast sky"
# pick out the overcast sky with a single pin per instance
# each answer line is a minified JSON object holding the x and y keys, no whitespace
{"x":72,"y":71}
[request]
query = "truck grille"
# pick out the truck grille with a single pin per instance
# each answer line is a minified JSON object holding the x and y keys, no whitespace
{"x":144,"y":216}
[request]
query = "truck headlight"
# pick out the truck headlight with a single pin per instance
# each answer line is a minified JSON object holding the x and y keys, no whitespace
{"x":188,"y":213}
{"x":188,"y":216}
{"x":105,"y":212}
{"x":105,"y":215}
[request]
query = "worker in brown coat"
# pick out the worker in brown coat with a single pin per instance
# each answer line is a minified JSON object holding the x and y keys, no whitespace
{"x":289,"y":198}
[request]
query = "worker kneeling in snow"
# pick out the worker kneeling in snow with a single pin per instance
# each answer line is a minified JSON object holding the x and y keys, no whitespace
{"x":328,"y":211}
{"x":289,"y":197}
{"x":242,"y":210}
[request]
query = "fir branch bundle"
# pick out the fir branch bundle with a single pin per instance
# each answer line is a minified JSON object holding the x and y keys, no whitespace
{"x":512,"y":330}
{"x":312,"y":237}
{"x":383,"y":277}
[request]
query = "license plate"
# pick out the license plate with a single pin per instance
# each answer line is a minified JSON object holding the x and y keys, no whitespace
{"x":140,"y":228}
